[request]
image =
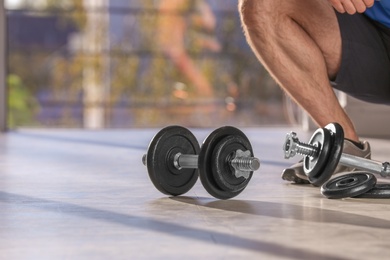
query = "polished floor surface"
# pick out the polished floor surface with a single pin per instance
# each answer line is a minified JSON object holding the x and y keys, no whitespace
{"x":72,"y":194}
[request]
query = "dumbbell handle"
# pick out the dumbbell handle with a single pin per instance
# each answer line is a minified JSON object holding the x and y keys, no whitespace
{"x":365,"y":164}
{"x":293,"y":146}
{"x":185,"y":161}
{"x":242,"y":162}
{"x":181,"y":161}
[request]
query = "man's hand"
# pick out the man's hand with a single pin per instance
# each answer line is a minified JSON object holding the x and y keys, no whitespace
{"x":351,"y":6}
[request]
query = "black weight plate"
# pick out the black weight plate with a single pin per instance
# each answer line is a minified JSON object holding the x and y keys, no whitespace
{"x":205,"y":161}
{"x":222,"y":171}
{"x":349,"y":185}
{"x":337,"y":140}
{"x":313,"y":166}
{"x":160,"y":157}
{"x":380,"y":191}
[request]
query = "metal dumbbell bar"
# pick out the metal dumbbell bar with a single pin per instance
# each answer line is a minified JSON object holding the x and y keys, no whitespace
{"x":324,"y":152}
{"x":225,"y":162}
{"x":241,"y":162}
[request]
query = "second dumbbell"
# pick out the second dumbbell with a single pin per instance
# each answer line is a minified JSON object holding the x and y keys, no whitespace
{"x":325,"y":151}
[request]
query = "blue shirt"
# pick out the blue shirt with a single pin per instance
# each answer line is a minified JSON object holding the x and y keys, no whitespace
{"x":380,"y":12}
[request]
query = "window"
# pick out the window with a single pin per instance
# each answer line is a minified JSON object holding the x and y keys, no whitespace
{"x":139,"y":63}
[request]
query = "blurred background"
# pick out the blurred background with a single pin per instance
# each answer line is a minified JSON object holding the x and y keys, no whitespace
{"x":135,"y":63}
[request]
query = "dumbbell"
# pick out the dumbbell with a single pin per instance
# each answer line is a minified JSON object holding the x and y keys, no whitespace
{"x":324,"y":152}
{"x":225,"y":162}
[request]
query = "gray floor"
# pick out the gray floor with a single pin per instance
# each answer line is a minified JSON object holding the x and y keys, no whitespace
{"x":86,"y":195}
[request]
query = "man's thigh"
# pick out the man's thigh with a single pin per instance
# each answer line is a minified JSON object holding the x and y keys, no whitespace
{"x":365,"y":66}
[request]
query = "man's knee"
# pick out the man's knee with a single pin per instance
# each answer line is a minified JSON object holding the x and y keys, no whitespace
{"x":250,"y":11}
{"x":261,"y":16}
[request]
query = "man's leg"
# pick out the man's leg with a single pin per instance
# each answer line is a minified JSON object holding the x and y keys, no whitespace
{"x":299,"y":43}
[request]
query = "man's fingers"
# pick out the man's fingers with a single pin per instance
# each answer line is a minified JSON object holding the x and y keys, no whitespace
{"x":352,"y":6}
{"x":369,"y":3}
{"x":337,"y":5}
{"x":349,"y":6}
{"x":361,"y":5}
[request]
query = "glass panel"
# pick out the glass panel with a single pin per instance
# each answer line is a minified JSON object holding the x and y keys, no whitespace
{"x":120,"y":63}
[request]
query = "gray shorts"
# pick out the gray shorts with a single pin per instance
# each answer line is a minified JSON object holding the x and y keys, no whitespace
{"x":365,"y":65}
